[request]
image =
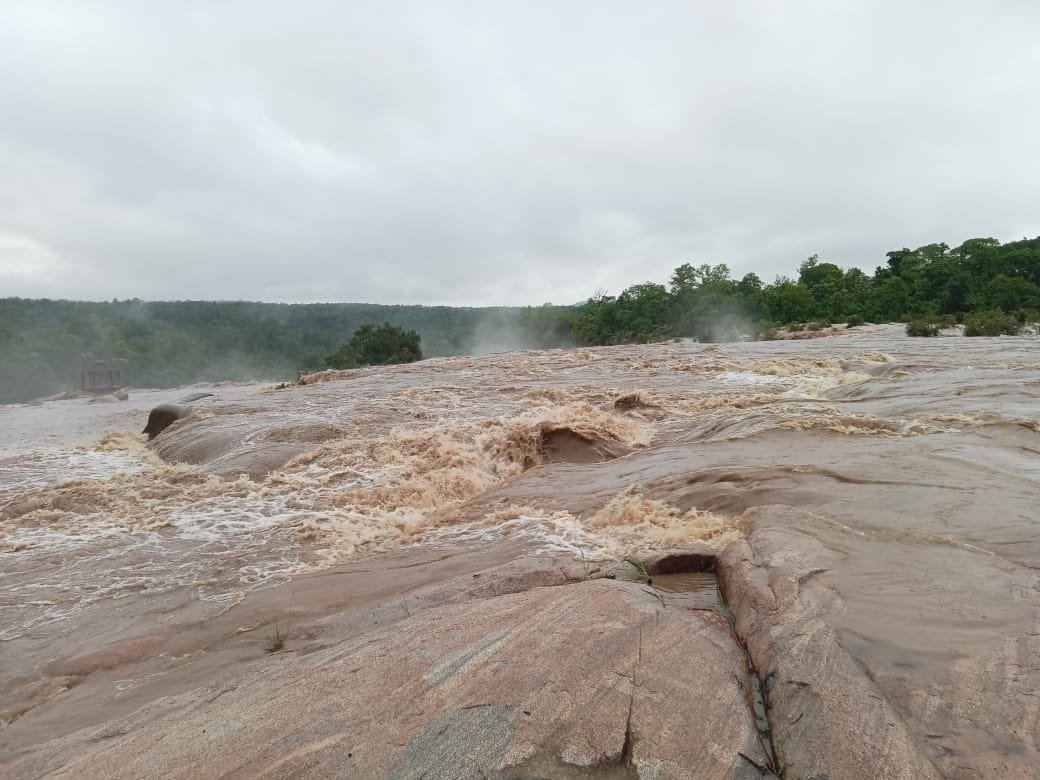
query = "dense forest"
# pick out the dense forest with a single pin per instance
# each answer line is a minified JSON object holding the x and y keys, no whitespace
{"x":173,"y":343}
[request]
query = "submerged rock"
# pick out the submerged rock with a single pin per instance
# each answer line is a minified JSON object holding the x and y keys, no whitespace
{"x":119,"y":394}
{"x":563,"y":445}
{"x":67,"y":395}
{"x":195,"y":397}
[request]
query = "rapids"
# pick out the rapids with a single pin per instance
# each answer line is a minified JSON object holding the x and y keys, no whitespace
{"x":914,"y":460}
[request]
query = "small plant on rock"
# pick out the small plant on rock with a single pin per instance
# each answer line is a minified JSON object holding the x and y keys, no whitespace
{"x":589,"y":570}
{"x":276,"y":641}
{"x":639,"y":573}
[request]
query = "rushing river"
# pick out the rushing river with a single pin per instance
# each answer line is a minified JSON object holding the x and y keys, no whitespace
{"x":917,"y":461}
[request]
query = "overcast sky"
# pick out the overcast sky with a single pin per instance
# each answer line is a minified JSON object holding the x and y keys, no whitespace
{"x":499,"y":152}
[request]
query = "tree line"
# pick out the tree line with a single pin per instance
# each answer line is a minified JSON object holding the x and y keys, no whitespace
{"x":978,"y":279}
{"x":173,"y":343}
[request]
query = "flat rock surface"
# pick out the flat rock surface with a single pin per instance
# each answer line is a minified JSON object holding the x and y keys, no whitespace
{"x":596,"y":678}
{"x":125,"y":653}
{"x":511,"y":672}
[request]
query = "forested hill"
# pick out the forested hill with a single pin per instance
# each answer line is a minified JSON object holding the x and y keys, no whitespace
{"x":175,"y":343}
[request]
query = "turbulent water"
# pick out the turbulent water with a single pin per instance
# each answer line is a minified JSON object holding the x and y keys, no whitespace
{"x":914,"y":460}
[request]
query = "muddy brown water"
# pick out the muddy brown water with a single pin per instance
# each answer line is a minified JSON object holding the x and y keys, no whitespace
{"x":128,"y":571}
{"x":689,"y":590}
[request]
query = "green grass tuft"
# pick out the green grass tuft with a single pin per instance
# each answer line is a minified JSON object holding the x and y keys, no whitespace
{"x":640,"y":574}
{"x":276,"y":641}
{"x":589,"y":570}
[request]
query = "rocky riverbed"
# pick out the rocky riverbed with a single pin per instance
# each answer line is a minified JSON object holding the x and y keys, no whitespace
{"x":432,"y":541}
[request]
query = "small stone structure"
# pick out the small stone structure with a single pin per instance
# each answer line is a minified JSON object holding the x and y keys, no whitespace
{"x":101,"y":376}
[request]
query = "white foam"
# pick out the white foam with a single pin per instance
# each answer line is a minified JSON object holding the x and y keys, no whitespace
{"x":43,"y":469}
{"x":737,"y":379}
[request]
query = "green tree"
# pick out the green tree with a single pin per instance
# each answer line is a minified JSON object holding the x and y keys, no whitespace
{"x":312,"y":361}
{"x":750,"y":286}
{"x":1009,"y":293}
{"x":595,"y":322}
{"x":344,"y":357}
{"x":787,"y":301}
{"x":642,"y":311}
{"x":891,"y":299}
{"x":373,"y":345}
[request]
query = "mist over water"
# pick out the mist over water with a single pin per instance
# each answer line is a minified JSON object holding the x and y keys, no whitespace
{"x":914,"y":461}
{"x":171,"y":343}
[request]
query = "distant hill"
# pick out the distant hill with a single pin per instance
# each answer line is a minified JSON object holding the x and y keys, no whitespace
{"x":172,"y":343}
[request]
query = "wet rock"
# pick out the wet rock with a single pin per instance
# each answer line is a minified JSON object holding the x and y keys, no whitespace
{"x":226,"y":445}
{"x":195,"y":397}
{"x":637,"y":401}
{"x":944,"y":634}
{"x":185,"y":647}
{"x":563,"y":445}
{"x":828,"y":718}
{"x":691,"y":694}
{"x":111,"y":656}
{"x":595,"y":678}
{"x":162,"y":417}
{"x":232,"y":440}
{"x":35,"y":693}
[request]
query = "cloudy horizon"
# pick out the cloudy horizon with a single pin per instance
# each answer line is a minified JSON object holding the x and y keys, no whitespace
{"x":498,"y":153}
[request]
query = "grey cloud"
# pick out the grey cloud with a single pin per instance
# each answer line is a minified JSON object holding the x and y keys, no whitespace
{"x":485,"y":153}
